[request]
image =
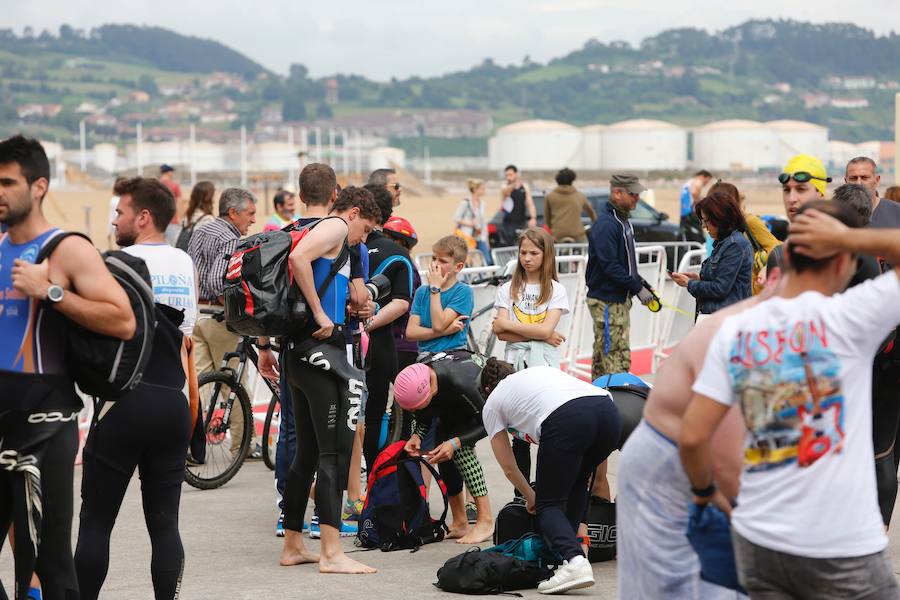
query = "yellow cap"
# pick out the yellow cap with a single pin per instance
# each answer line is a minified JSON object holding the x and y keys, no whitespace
{"x":811,"y":165}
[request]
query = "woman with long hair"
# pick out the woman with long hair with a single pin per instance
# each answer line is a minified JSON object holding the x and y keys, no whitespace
{"x":200,"y":208}
{"x":470,"y":219}
{"x":725,"y":276}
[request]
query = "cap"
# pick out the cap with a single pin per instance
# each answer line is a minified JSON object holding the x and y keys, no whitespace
{"x":811,"y":165}
{"x":627,"y":182}
{"x":166,"y":168}
{"x":412,"y":387}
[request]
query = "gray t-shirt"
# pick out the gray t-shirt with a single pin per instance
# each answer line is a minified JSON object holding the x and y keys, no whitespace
{"x":886,"y":215}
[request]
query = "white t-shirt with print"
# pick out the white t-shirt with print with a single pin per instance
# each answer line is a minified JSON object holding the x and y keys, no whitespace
{"x":522,"y":401}
{"x":525,"y":308}
{"x":801,"y":369}
{"x":172,"y":273}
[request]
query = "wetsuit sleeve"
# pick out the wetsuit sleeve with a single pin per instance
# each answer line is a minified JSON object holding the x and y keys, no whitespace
{"x":400,"y":273}
{"x":471,"y":432}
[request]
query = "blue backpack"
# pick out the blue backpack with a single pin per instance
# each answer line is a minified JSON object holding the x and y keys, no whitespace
{"x":530,"y":548}
{"x":395,"y":515}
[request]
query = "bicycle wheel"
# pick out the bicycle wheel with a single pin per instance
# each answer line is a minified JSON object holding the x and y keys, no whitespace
{"x":227,"y":442}
{"x":270,"y":430}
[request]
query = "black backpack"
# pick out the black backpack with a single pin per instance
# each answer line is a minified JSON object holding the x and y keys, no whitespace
{"x":101,"y":365}
{"x":261,"y":296}
{"x":513,"y":521}
{"x":479,"y":572}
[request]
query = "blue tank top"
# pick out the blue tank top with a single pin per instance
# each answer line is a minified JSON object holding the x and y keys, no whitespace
{"x":334,"y":298}
{"x":30,"y":338}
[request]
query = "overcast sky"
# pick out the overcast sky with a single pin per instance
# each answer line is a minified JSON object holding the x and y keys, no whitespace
{"x":385,"y":38}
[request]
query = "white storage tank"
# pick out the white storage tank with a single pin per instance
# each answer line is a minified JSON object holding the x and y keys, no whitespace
{"x":839,"y":154}
{"x":799,"y":137}
{"x":644,"y":145}
{"x":591,"y":155}
{"x":386,"y":157}
{"x":208,"y":156}
{"x":105,"y":157}
{"x":271,"y":156}
{"x":735,"y":145}
{"x":536,"y":145}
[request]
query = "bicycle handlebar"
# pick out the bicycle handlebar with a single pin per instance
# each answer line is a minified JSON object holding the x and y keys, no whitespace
{"x":493,"y":280}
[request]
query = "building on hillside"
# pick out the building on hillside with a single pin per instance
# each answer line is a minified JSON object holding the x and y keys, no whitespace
{"x":644,"y":145}
{"x":139,"y":97}
{"x":36,"y":112}
{"x":331,"y":91}
{"x":799,"y":137}
{"x":735,"y":145}
{"x":850,"y":103}
{"x":535,"y":145}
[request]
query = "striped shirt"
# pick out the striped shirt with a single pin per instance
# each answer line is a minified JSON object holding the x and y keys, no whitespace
{"x":211,"y":244}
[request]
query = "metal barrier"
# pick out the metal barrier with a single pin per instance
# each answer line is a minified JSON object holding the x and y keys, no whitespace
{"x":676,"y":250}
{"x":679,"y":308}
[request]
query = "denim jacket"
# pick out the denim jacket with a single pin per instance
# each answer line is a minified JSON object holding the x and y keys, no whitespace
{"x":724,"y":276}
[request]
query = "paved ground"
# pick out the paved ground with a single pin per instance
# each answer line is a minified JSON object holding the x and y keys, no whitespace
{"x":232,"y":552}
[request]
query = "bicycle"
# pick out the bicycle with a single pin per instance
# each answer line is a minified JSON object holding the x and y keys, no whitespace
{"x":490,"y":338}
{"x":219,"y":390}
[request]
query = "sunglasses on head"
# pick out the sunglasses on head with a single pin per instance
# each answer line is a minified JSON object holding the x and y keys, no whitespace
{"x":800,"y":177}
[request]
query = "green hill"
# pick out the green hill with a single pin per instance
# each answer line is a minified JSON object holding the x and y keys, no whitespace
{"x":838,"y":75}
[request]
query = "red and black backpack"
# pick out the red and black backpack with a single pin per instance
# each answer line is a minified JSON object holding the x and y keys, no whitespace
{"x":396,"y":515}
{"x":261,"y":296}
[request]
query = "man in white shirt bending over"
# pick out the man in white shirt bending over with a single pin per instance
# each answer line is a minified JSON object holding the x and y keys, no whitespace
{"x":807,"y":522}
{"x":145,"y":208}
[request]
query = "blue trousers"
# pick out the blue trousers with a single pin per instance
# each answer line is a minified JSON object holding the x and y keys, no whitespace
{"x":287,"y":436}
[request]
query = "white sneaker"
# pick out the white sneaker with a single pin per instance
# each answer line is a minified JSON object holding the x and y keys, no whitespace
{"x":572,"y":575}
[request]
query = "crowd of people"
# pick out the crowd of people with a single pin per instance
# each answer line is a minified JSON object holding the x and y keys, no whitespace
{"x":757,"y":443}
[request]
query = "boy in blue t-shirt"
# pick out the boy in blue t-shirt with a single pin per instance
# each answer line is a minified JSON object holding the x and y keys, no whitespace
{"x":441,"y":308}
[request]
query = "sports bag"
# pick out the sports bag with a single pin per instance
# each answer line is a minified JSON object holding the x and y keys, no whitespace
{"x":261,"y":296}
{"x":395,"y":515}
{"x":531,"y":548}
{"x":478,"y":572}
{"x":104,"y":366}
{"x":513,"y":521}
{"x":601,"y":530}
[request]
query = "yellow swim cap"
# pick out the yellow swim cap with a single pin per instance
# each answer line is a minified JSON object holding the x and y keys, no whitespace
{"x":809,"y":164}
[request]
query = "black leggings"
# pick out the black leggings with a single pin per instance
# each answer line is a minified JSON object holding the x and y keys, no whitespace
{"x":325,"y":431}
{"x":50,"y":446}
{"x":378,"y":380}
{"x":522,"y":453}
{"x":885,"y":429}
{"x":149,"y":431}
{"x":575,"y":438}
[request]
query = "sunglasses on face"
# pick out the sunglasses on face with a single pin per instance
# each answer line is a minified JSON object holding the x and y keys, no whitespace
{"x":800,"y":177}
{"x":396,"y":187}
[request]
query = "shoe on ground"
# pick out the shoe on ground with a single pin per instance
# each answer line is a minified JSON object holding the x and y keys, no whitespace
{"x":348,"y":529}
{"x":279,"y":526}
{"x":471,"y":513}
{"x":575,"y":574}
{"x":352,"y":510}
{"x":256,"y":453}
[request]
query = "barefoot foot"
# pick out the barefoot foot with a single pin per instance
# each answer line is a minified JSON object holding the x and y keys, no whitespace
{"x":292,"y":556}
{"x":341,"y":563}
{"x":457,"y":530}
{"x":480,"y":532}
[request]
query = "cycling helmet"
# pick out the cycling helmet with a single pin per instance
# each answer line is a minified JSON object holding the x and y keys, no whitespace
{"x":398,"y":227}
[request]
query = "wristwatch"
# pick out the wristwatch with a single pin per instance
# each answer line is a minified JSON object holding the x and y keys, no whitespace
{"x":434,"y":289}
{"x":55,"y":294}
{"x":705,"y":492}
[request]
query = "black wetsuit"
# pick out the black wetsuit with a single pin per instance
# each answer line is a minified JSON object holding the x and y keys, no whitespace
{"x":457,"y":406}
{"x":391,"y":259}
{"x":148,"y":429}
{"x":326,"y":392}
{"x":38,"y":433}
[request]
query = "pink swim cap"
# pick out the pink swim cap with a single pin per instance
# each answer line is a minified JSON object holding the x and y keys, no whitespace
{"x":412,"y":386}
